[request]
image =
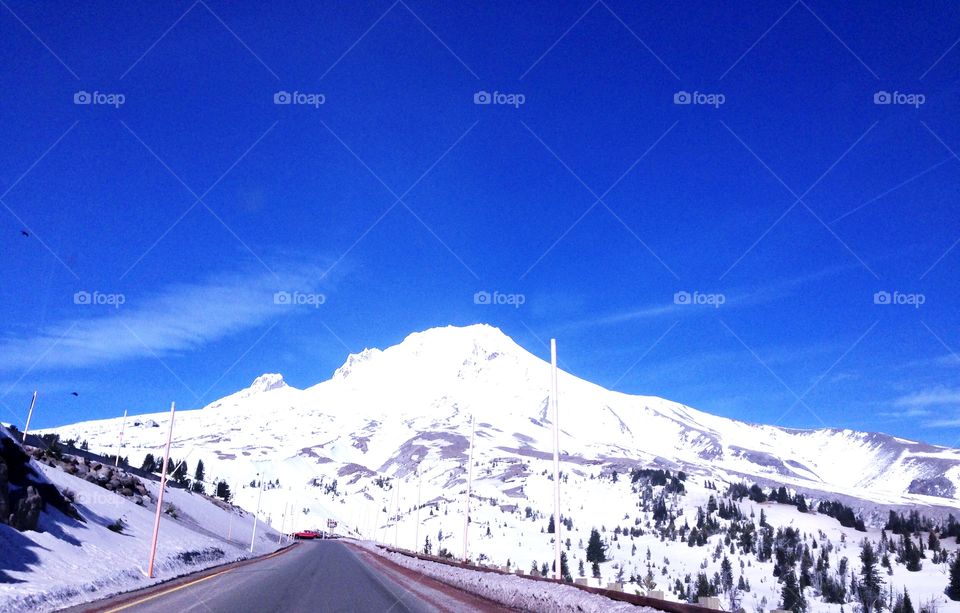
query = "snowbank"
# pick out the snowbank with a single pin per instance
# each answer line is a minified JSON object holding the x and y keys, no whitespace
{"x":510,"y":590}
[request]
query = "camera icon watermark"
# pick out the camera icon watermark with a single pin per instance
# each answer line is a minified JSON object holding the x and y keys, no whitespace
{"x":283,"y":97}
{"x":699,"y":99}
{"x":684,"y":298}
{"x":883,"y":297}
{"x":297,"y":298}
{"x":85,"y":298}
{"x":484,"y":97}
{"x":883,"y":97}
{"x":85,"y":98}
{"x":497,"y":298}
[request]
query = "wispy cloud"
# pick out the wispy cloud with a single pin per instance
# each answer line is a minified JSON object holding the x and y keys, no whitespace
{"x":938,"y":407}
{"x":177,"y":318}
{"x":933,"y":397}
{"x":734,"y":298}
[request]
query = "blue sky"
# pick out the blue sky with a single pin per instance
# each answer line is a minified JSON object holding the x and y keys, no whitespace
{"x":724,"y":253}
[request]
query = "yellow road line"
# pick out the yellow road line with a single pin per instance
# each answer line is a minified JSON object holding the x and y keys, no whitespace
{"x":194,"y":582}
{"x":165,"y":592}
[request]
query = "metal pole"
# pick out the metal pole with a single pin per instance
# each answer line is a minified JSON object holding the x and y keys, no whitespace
{"x":396,"y":523}
{"x":556,"y":455}
{"x":416,"y":532}
{"x":120,"y":442}
{"x":466,"y":519}
{"x":257,"y":514}
{"x":376,"y":520}
{"x":163,"y":484}
{"x":26,"y":428}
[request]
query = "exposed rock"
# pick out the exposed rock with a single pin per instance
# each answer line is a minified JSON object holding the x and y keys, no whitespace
{"x":27,"y":511}
{"x":938,"y":486}
{"x":4,"y":502}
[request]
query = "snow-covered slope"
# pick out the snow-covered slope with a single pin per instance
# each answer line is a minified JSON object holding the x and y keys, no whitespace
{"x":67,"y":560}
{"x":390,"y":430}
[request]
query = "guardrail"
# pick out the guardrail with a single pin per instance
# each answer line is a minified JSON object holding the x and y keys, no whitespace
{"x":636,"y":599}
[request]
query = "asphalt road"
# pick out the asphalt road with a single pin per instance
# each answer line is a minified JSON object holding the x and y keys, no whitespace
{"x":314,"y":576}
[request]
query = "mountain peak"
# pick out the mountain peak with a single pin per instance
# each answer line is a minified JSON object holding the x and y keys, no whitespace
{"x":431,"y":353}
{"x":267,"y":382}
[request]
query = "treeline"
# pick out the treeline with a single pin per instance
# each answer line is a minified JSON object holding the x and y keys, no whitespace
{"x":831,"y":508}
{"x":673,"y":484}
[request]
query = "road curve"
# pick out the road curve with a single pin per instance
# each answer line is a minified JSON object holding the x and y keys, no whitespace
{"x":314,"y":576}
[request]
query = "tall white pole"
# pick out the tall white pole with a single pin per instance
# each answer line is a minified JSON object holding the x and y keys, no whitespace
{"x":376,"y":520}
{"x":163,"y":484}
{"x":466,"y":519}
{"x":120,"y":442}
{"x":396,"y":523}
{"x":556,"y":456}
{"x":26,"y":428}
{"x":253,"y":536}
{"x":416,"y":531}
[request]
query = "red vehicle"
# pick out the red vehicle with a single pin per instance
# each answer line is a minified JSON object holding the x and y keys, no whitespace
{"x":305,"y":534}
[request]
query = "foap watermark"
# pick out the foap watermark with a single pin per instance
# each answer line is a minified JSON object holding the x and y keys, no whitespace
{"x":484,"y":97}
{"x":899,"y":298}
{"x":700,"y":299}
{"x":699,"y":98}
{"x":497,"y":298}
{"x":299,"y":298}
{"x":899,"y":98}
{"x":84,"y":297}
{"x":300,"y":98}
{"x":84,"y":98}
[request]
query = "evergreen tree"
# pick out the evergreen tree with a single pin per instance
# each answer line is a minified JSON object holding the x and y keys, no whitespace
{"x":180,"y":472}
{"x":149,"y":464}
{"x":726,"y":574}
{"x":596,"y":550}
{"x":198,"y":478}
{"x":580,"y":571}
{"x":953,"y":588}
{"x":564,"y":568}
{"x":596,"y":569}
{"x":871,"y":585}
{"x":792,"y":595}
{"x":223,"y":491}
{"x":551,"y":527}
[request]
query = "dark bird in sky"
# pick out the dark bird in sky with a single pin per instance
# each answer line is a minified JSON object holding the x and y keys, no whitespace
{"x":74,"y":394}
{"x":24,"y":232}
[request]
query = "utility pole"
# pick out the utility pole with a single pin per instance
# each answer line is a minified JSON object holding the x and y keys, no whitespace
{"x":466,"y":519}
{"x":396,"y":523}
{"x":416,"y":532}
{"x":26,"y":428}
{"x":120,"y":442}
{"x":253,"y":536}
{"x":556,"y":455}
{"x":163,"y":484}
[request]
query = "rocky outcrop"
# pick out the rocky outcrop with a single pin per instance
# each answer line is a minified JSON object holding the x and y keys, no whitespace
{"x":24,"y":491}
{"x":27,"y":512}
{"x":108,"y":477}
{"x":4,"y":494}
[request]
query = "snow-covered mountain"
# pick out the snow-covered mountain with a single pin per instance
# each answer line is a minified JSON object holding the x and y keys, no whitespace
{"x":390,"y":430}
{"x":391,"y":411}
